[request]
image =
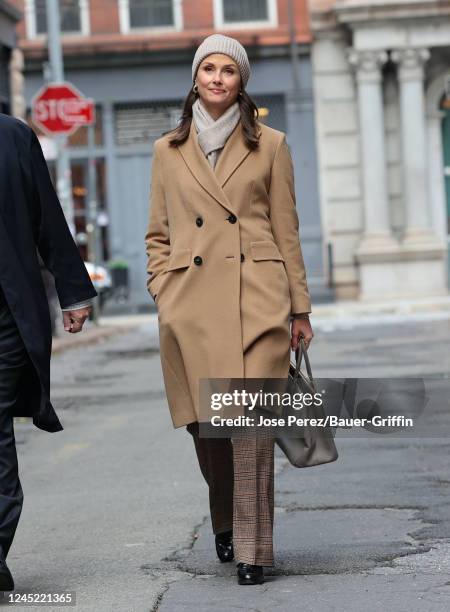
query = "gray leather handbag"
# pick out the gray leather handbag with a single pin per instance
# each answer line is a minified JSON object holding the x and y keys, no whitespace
{"x":316,"y":444}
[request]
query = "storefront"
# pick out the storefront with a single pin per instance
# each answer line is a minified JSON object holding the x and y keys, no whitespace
{"x":135,"y":105}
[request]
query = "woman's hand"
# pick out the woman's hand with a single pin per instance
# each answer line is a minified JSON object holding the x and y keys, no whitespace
{"x":301,"y":328}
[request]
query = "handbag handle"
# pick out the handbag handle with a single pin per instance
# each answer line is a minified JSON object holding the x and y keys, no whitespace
{"x":299,"y":354}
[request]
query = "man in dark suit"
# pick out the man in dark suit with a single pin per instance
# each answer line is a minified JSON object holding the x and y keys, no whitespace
{"x":31,"y":223}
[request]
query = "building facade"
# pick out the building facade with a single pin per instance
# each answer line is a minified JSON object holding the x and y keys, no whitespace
{"x":381,"y":74}
{"x":9,"y":17}
{"x":134,"y":57}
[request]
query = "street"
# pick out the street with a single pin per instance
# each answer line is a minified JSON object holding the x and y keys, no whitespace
{"x":116,"y":508}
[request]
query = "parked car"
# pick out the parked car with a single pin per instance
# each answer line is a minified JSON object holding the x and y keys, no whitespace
{"x":101,"y":279}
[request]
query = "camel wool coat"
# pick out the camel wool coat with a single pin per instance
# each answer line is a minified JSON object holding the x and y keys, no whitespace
{"x":225,"y":264}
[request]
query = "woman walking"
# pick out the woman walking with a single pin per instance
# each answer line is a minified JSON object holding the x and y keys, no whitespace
{"x":226,"y":272}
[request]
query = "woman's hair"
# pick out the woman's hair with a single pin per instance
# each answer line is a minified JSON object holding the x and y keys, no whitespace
{"x":249,"y":119}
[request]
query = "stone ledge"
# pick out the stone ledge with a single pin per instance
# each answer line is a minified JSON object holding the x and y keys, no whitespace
{"x":356,"y":308}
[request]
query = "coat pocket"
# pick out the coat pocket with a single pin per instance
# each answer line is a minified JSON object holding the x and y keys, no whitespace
{"x":180,"y":258}
{"x":263,"y":250}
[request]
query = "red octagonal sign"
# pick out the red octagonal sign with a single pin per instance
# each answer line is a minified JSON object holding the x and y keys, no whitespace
{"x":60,"y":108}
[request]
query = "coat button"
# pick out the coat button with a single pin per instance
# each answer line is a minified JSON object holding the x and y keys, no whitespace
{"x":199,"y":221}
{"x":232,"y":218}
{"x":242,"y":257}
{"x":198,"y":260}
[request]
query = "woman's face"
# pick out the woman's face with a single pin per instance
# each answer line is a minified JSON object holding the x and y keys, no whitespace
{"x":218,"y":81}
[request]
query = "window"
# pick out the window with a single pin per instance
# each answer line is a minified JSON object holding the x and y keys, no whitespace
{"x":245,"y":13}
{"x":143,"y":123}
{"x":252,"y":10}
{"x":74,"y":17}
{"x":149,"y":14}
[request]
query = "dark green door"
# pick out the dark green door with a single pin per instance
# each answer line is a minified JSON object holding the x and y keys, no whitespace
{"x":446,"y":142}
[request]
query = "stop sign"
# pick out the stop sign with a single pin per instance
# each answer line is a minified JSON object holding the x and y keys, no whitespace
{"x":59,"y":108}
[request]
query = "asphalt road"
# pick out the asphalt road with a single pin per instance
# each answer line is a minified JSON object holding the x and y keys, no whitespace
{"x":116,"y":509}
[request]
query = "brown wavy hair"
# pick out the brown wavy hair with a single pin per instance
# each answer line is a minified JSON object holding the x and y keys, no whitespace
{"x":249,"y":120}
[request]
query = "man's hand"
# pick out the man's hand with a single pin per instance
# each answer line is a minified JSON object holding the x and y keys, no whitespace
{"x":74,"y":319}
{"x":301,"y":328}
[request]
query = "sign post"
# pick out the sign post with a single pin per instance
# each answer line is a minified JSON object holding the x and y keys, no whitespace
{"x":59,"y":109}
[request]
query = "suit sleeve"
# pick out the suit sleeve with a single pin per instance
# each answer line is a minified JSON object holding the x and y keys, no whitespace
{"x":157,"y":240}
{"x":285,"y":226}
{"x":55,"y":243}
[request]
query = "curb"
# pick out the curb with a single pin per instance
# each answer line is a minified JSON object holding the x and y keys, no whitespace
{"x":356,"y":308}
{"x":92,"y":335}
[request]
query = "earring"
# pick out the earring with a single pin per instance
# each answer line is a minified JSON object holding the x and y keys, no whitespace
{"x":195,"y":88}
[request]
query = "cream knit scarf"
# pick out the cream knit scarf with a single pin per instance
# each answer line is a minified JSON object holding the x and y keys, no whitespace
{"x":213,"y":134}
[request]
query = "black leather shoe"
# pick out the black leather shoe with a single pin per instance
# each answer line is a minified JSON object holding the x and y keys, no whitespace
{"x":6,"y":580}
{"x":224,"y":546}
{"x":250,"y":574}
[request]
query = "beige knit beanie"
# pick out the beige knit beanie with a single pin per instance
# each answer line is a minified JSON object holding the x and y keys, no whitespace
{"x":218,"y":43}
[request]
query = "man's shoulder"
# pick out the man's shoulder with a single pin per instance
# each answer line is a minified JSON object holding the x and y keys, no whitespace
{"x":13,"y":124}
{"x":17,"y":130}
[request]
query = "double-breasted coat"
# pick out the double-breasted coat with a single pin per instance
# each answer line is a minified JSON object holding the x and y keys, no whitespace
{"x":32,"y":222}
{"x":225,"y":263}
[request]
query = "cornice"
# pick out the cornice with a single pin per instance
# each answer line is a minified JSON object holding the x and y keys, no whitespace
{"x":94,"y":59}
{"x":353,"y":11}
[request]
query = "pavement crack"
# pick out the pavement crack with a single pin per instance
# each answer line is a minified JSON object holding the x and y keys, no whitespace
{"x":179,"y":554}
{"x":300,"y":508}
{"x":166,"y":579}
{"x":170,"y":569}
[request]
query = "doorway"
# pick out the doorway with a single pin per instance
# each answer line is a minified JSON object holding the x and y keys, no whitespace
{"x":80,"y":195}
{"x":446,"y":145}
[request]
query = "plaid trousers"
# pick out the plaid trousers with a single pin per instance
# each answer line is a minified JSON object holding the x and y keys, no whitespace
{"x":239,"y":472}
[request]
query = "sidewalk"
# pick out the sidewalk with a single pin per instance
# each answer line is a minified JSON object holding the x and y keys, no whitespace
{"x":350,"y":313}
{"x":433,"y":304}
{"x":325,"y":317}
{"x":92,"y":333}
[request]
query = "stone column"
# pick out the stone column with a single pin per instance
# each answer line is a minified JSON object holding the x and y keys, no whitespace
{"x":377,"y":235}
{"x":435,"y":180}
{"x":418,"y":227}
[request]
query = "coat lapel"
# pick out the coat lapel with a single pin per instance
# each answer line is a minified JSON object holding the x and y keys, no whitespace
{"x":231,"y":156}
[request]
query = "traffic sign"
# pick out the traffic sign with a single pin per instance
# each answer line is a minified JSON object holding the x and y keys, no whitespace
{"x":60,"y":108}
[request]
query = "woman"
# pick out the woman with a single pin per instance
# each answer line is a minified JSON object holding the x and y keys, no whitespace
{"x":226,"y":273}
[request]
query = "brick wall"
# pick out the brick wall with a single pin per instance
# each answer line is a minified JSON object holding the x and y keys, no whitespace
{"x":198,"y":19}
